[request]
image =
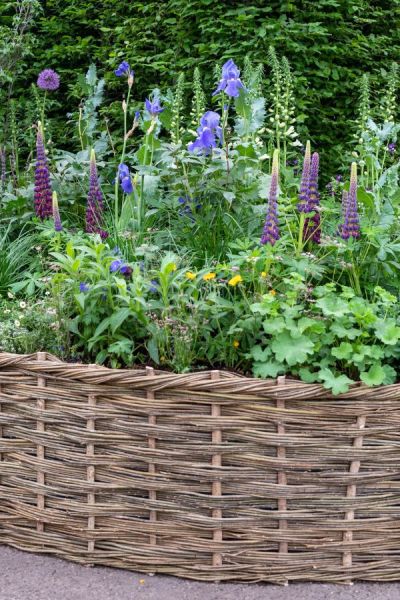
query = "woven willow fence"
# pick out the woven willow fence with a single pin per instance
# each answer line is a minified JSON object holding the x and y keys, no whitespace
{"x":208,"y":475}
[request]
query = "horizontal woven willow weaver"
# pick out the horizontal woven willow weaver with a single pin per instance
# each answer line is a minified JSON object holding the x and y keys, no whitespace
{"x":206,"y":475}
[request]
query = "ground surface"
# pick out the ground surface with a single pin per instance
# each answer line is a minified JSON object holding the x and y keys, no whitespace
{"x":26,"y":576}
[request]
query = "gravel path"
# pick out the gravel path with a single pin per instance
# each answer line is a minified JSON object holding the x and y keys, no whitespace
{"x":25,"y":576}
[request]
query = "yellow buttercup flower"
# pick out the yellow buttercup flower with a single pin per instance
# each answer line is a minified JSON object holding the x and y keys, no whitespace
{"x":209,"y":276}
{"x":272,"y":292}
{"x":190,"y":275}
{"x":236,"y":344}
{"x":235,"y":280}
{"x":263,"y":274}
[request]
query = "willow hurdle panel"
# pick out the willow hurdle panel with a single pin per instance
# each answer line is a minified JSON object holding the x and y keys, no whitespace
{"x":208,"y":475}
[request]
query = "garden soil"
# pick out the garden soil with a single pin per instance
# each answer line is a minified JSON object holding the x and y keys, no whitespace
{"x":25,"y":576}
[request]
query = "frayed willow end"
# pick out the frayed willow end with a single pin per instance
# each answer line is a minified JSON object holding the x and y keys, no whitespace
{"x":42,"y":187}
{"x":270,"y":233}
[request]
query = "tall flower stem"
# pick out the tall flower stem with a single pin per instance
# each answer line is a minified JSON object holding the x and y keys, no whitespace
{"x":300,"y":240}
{"x":116,"y":188}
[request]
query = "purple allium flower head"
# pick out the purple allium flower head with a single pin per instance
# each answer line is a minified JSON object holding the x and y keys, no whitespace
{"x":230,"y":80}
{"x":270,"y":232}
{"x":207,"y":132}
{"x":305,"y":181}
{"x":391,"y":148}
{"x":125,"y":178}
{"x":42,"y":189}
{"x":94,"y":206}
{"x":312,"y":229}
{"x":123,"y":68}
{"x":351,"y":222}
{"x":56,"y":214}
{"x":153,"y":107}
{"x":48,"y":80}
{"x":83,"y":287}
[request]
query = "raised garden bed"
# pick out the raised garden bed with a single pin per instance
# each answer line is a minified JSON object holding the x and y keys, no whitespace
{"x":206,"y":475}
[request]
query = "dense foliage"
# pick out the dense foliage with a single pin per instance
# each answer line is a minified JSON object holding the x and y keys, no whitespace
{"x":330,"y":44}
{"x":203,"y":237}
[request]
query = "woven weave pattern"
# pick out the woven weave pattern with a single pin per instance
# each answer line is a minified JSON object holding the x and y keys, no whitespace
{"x":205,"y":475}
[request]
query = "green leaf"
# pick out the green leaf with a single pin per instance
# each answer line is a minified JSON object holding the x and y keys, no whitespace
{"x":80,"y":298}
{"x":333,"y":306}
{"x":118,"y":318}
{"x":338,"y":384}
{"x":375,"y":376}
{"x":387,"y":331}
{"x":101,"y":327}
{"x":259,"y":354}
{"x":344,"y":351}
{"x":341,"y":331}
{"x":152,"y":349}
{"x":307,"y":375}
{"x":292,"y":350}
{"x":274,"y":325}
{"x":268,"y":369}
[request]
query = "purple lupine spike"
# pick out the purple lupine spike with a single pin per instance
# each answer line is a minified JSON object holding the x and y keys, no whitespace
{"x":351,"y":222}
{"x":270,"y":232}
{"x":56,"y":214}
{"x":94,"y":207}
{"x":305,"y":180}
{"x":42,"y":188}
{"x":312,"y":229}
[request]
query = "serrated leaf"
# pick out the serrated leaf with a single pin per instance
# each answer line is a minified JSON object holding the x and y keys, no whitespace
{"x":260,"y":354}
{"x":268,"y":369}
{"x":292,"y":350}
{"x":333,"y":306}
{"x":343,"y":351}
{"x":387,"y":331}
{"x":338,"y":384}
{"x":274,"y":326}
{"x":374,"y":376}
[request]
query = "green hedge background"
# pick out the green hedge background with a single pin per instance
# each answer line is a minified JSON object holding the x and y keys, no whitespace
{"x":329,"y":43}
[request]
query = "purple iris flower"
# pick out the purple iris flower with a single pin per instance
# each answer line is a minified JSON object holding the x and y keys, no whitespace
{"x":83,"y":287}
{"x":207,"y":132}
{"x":125,"y":179}
{"x":230,"y":81}
{"x":116,"y":265}
{"x":153,"y":107}
{"x":124,"y":68}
